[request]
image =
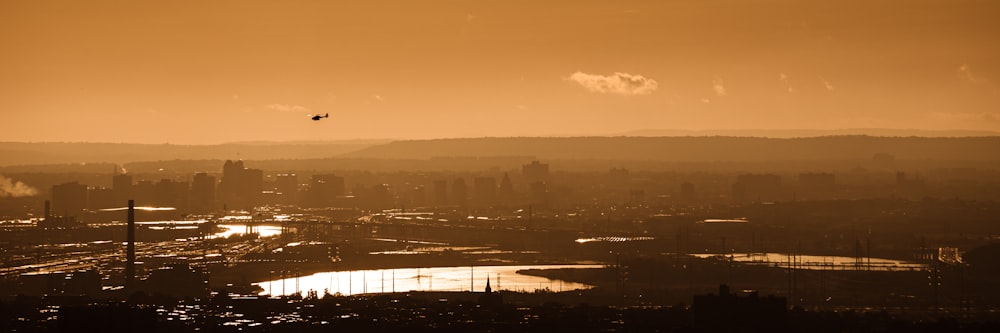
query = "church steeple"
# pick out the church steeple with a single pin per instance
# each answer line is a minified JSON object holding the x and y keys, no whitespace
{"x":488,"y":289}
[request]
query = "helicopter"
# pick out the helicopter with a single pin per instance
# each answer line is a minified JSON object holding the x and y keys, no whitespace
{"x":318,"y":117}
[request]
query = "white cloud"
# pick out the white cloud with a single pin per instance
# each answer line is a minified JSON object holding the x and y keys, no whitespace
{"x":617,"y":83}
{"x":720,"y":89}
{"x":287,"y":108}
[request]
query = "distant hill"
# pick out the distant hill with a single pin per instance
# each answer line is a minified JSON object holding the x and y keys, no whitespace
{"x":807,"y":133}
{"x":713,"y":148}
{"x":454,"y":151}
{"x":22,"y":153}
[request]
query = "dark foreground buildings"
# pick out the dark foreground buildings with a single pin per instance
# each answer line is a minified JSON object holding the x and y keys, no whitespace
{"x":729,"y":312}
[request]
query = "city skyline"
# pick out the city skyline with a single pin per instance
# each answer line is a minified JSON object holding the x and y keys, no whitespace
{"x":217,"y":72}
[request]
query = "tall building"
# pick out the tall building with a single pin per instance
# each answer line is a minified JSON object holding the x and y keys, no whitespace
{"x":324,"y":190}
{"x":535,"y":172}
{"x":121,"y":184}
{"x":286,"y":186}
{"x":69,"y":199}
{"x":202,"y":193}
{"x":169,"y":193}
{"x":100,"y":198}
{"x":240,"y":187}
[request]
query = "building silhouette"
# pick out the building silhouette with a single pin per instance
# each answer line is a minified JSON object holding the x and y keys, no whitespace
{"x":489,"y":298}
{"x":202,"y":193}
{"x":286,"y":188}
{"x":69,"y":199}
{"x":170,"y":193}
{"x":240,"y":187}
{"x":324,"y":190}
{"x":100,"y":198}
{"x":535,"y":172}
{"x":756,"y":187}
{"x":121,"y":184}
{"x":729,"y":312}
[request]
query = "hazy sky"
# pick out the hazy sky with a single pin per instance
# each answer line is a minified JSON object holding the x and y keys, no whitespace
{"x":221,"y":71}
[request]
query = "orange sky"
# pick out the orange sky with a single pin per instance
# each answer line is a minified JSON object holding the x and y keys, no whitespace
{"x":221,"y":71}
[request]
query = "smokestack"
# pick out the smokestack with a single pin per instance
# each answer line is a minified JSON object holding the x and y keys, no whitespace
{"x":130,"y":254}
{"x":48,"y":209}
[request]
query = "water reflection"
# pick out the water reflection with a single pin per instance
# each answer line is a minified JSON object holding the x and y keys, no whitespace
{"x":241,"y":229}
{"x":420,"y":279}
{"x":813,"y":262}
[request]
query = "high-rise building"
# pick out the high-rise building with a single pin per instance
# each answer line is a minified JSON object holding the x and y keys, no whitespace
{"x":286,"y":187}
{"x":69,"y":199}
{"x":240,"y":188}
{"x":101,"y":198}
{"x":535,"y":172}
{"x":202,"y":193}
{"x":121,"y":184}
{"x":169,"y":193}
{"x":324,"y":190}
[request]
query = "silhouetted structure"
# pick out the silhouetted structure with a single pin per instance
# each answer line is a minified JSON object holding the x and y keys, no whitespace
{"x":286,"y":187}
{"x":202,"y":193}
{"x":176,"y":280}
{"x":100,"y":198}
{"x":756,"y":187}
{"x":55,"y":221}
{"x":169,"y":193}
{"x":69,"y":199}
{"x":490,"y":298}
{"x":535,"y":172}
{"x":240,"y":187}
{"x":121,"y":184}
{"x":728,"y":312}
{"x":324,"y":190}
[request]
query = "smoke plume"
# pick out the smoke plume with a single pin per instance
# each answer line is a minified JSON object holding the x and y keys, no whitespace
{"x":12,"y":188}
